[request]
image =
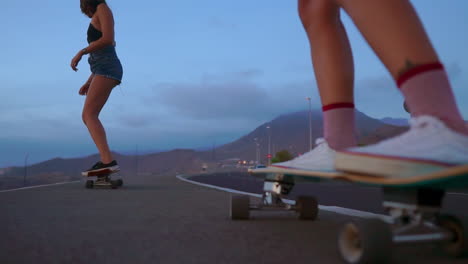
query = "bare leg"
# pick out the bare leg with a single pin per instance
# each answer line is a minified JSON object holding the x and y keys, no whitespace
{"x":96,"y":97}
{"x":396,"y":34}
{"x":331,"y":52}
{"x":394,"y":31}
{"x":334,"y":70}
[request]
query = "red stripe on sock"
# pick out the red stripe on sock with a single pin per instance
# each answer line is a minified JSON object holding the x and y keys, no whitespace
{"x":418,"y":70}
{"x":337,"y":105}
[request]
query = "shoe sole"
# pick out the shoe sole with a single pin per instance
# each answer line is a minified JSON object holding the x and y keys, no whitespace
{"x":363,"y":163}
{"x":102,"y":171}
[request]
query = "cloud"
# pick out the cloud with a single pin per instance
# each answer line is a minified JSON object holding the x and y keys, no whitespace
{"x":211,"y":100}
{"x":379,"y":97}
{"x":226,"y":97}
{"x":136,"y":121}
{"x":43,"y":128}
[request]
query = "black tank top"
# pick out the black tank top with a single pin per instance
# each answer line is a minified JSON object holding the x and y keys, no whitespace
{"x":93,"y":33}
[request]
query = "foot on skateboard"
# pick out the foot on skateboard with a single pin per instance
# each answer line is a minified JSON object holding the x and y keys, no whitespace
{"x":101,"y":169}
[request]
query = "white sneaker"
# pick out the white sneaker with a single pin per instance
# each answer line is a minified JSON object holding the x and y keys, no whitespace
{"x":427,"y":147}
{"x":321,"y":158}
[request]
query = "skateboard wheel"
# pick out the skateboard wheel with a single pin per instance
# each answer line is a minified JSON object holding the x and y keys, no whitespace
{"x":458,"y":246}
{"x":240,"y":207}
{"x":307,"y":206}
{"x":365,"y":241}
{"x":89,"y":184}
{"x":119,"y":182}
{"x":114,"y":184}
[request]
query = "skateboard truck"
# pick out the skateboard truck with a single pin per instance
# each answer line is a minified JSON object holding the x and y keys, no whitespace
{"x":412,"y":213}
{"x":274,"y":189}
{"x":414,"y":206}
{"x":104,"y":181}
{"x":415,"y":218}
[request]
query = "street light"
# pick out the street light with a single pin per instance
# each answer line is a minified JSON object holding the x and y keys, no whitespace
{"x":310,"y":123}
{"x":257,"y":150}
{"x":269,"y":145}
{"x":25,"y":169}
{"x":136,"y":160}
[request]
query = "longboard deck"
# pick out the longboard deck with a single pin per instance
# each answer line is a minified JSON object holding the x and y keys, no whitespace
{"x":99,"y":173}
{"x":454,"y":177}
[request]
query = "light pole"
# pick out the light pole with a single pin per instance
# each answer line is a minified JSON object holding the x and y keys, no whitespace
{"x":214,"y":150}
{"x":269,"y":145}
{"x":25,"y":169}
{"x":136,"y":160}
{"x":310,"y":123}
{"x":257,"y":150}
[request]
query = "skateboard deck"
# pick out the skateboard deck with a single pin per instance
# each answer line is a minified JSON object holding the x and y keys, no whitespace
{"x":103,"y":181}
{"x":99,"y":173}
{"x":453,"y":177}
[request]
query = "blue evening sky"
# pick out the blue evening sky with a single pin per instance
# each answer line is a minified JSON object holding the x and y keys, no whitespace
{"x":196,"y":73}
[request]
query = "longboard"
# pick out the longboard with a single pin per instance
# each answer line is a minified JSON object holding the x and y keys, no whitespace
{"x":453,"y":177}
{"x":103,"y":181}
{"x":414,"y":205}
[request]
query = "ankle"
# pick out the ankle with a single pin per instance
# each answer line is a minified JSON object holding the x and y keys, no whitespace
{"x":339,"y":125}
{"x":106,"y":161}
{"x":457,"y":126}
{"x":342,"y":143}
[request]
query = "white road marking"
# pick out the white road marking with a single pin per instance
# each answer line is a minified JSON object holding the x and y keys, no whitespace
{"x":455,"y":193}
{"x":335,"y":209}
{"x":38,"y":186}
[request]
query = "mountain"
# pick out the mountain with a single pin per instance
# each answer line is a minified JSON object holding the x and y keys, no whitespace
{"x":395,"y":121}
{"x":61,"y":170}
{"x":286,"y":132}
{"x":291,"y":132}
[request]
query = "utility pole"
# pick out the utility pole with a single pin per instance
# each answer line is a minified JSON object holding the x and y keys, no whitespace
{"x":136,"y":160}
{"x":25,"y":169}
{"x":214,"y":151}
{"x":257,"y":150}
{"x":310,"y":123}
{"x":269,"y":156}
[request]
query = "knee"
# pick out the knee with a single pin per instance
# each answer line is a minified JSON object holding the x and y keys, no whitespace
{"x":87,"y":117}
{"x":317,"y":14}
{"x":84,"y":117}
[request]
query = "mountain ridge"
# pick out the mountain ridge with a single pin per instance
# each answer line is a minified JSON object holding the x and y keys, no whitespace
{"x":286,"y":132}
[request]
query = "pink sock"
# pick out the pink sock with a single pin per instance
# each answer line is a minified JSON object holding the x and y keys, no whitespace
{"x":338,"y":125}
{"x":427,"y":91}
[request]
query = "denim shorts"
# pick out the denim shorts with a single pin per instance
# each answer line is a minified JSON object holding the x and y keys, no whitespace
{"x":105,"y":62}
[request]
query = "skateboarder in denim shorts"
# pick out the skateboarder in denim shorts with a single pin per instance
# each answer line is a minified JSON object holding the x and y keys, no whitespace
{"x":106,"y":73}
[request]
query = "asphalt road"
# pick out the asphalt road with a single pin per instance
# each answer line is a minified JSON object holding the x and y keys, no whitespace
{"x":160,"y":219}
{"x":341,"y":194}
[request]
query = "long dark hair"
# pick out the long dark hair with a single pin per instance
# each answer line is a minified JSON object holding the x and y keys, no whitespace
{"x":88,"y":7}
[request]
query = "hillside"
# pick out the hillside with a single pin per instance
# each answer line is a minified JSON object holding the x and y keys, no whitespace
{"x":60,"y":170}
{"x":289,"y":131}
